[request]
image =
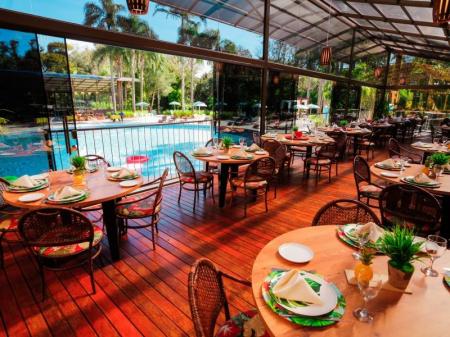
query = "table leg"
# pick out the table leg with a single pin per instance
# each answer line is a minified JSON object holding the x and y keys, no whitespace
{"x":307,"y":156}
{"x":112,"y":228}
{"x":355,"y":145}
{"x":223,"y":181}
{"x":445,"y":221}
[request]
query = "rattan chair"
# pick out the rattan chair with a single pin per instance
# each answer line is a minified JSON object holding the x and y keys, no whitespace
{"x":410,"y":206}
{"x":207,"y":299}
{"x":279,"y":152}
{"x":188,"y":176}
{"x":395,"y":149}
{"x":255,"y":181}
{"x":60,"y":239}
{"x":323,"y":161}
{"x":143,"y":203}
{"x":366,"y":189}
{"x":344,"y":211}
{"x":367,"y":144}
{"x":213,"y":168}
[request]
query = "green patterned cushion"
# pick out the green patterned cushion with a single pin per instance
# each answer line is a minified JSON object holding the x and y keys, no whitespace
{"x":244,"y":324}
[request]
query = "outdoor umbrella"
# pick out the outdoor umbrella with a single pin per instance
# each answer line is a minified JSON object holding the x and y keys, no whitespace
{"x":142,"y":104}
{"x":199,"y":104}
{"x":174,"y":103}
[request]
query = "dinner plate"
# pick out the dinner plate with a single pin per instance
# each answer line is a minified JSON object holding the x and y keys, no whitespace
{"x":31,"y":197}
{"x":113,"y":169}
{"x":384,"y":167}
{"x":205,"y":154}
{"x":260,"y":152}
{"x":128,"y":183}
{"x":390,"y":174}
{"x":295,"y":252}
{"x":75,"y":198}
{"x":349,"y":229}
{"x":320,"y":286}
{"x":42,"y":184}
{"x":222,"y":157}
{"x":113,"y":178}
{"x":410,"y":180}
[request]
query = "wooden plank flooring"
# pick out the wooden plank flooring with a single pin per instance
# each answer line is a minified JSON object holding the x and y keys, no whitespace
{"x":145,"y":293}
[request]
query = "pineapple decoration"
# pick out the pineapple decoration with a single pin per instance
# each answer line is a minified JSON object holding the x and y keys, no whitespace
{"x":363,"y":270}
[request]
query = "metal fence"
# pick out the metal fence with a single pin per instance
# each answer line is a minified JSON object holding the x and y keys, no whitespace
{"x":119,"y":143}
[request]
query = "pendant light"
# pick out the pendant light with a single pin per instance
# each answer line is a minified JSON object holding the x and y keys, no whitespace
{"x":325,"y":54}
{"x":441,"y":11}
{"x":138,"y":7}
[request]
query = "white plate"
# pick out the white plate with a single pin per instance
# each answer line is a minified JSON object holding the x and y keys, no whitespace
{"x":260,"y":152}
{"x":113,"y":169}
{"x":327,"y":294}
{"x":31,"y":197}
{"x":128,"y":183}
{"x":349,"y":230}
{"x":390,"y":174}
{"x":295,"y":252}
{"x":222,"y":157}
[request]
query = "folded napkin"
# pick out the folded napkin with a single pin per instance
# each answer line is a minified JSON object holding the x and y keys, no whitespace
{"x":293,"y":286}
{"x":254,"y":147}
{"x":201,"y":150}
{"x":66,"y":192}
{"x":25,"y":181}
{"x":422,"y":178}
{"x":372,"y":230}
{"x":240,"y":154}
{"x":388,"y":163}
{"x":124,"y":173}
{"x":417,"y":144}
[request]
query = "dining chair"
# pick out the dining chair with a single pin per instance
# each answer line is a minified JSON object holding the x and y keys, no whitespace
{"x":256,"y":138}
{"x":323,"y":161}
{"x":279,"y":152}
{"x":255,"y":181}
{"x":395,"y":149}
{"x":143,"y":203}
{"x":364,"y":185}
{"x":9,"y":218}
{"x":436,"y":132}
{"x":207,"y":298}
{"x":344,"y":211}
{"x":411,"y":206}
{"x":367,"y":144}
{"x":60,"y":239}
{"x":97,"y":160}
{"x":188,"y":177}
{"x":213,"y":168}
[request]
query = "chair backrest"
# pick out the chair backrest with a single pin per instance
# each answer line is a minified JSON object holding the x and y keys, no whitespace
{"x":411,"y":206}
{"x":158,"y":195}
{"x":256,"y":138}
{"x":276,"y":150}
{"x":206,"y":297}
{"x":260,"y":169}
{"x":210,"y":142}
{"x":340,"y":139}
{"x":183,"y":165}
{"x":3,"y":187}
{"x":55,"y":226}
{"x":361,"y":171}
{"x":394,"y":147}
{"x":96,"y":160}
{"x":344,"y":211}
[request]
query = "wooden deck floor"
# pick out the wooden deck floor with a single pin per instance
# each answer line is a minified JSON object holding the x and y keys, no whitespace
{"x":145,"y":293}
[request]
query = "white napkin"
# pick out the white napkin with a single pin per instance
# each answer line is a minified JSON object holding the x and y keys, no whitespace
{"x":419,"y":144}
{"x":254,"y":147}
{"x":66,"y":192}
{"x":372,"y":229}
{"x":293,"y":286}
{"x":388,"y":163}
{"x":422,"y":178}
{"x":201,"y":150}
{"x":25,"y":181}
{"x":241,"y":154}
{"x":124,"y":173}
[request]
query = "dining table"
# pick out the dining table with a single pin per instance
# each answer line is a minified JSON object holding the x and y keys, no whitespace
{"x":430,"y":148}
{"x":356,"y":133}
{"x":100,"y":190}
{"x":442,"y":191}
{"x":228,"y":166}
{"x":423,"y":311}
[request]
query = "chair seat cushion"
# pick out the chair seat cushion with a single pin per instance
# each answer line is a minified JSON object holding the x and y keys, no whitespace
{"x":370,"y":190}
{"x":202,"y":177}
{"x":69,"y":250}
{"x":140,"y":209}
{"x":244,"y":324}
{"x":8,"y":223}
{"x":251,"y":184}
{"x":321,"y":161}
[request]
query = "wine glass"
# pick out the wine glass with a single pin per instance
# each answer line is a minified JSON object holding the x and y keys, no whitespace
{"x":369,"y":290}
{"x":242,"y":142}
{"x":435,"y":246}
{"x":362,"y":240}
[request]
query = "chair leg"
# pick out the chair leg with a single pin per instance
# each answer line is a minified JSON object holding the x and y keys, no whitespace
{"x":265,"y":198}
{"x":195,"y":196}
{"x":205,"y":185}
{"x":179,"y":193}
{"x":91,"y":274}
{"x":153,"y":235}
{"x":212,"y":191}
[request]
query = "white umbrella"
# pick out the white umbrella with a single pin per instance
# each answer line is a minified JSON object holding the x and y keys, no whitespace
{"x":174,"y":103}
{"x":143,"y":104}
{"x":199,"y":104}
{"x":313,"y":106}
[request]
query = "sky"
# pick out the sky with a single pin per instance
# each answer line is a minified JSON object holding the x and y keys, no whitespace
{"x":165,"y":27}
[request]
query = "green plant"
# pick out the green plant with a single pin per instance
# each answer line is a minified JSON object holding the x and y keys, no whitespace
{"x":343,"y":122}
{"x":439,"y":158}
{"x":227,"y":142}
{"x":399,"y":245}
{"x":78,"y":162}
{"x":295,"y":128}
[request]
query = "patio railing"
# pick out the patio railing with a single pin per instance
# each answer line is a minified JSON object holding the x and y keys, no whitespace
{"x":119,"y":143}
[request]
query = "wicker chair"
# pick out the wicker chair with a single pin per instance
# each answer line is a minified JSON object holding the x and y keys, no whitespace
{"x":364,"y":185}
{"x":60,"y":239}
{"x":344,"y":211}
{"x":256,"y":138}
{"x":144,"y":203}
{"x":436,"y":133}
{"x":395,"y":149}
{"x":212,"y":167}
{"x":207,"y":298}
{"x":322,"y":162}
{"x":367,"y":144}
{"x":256,"y":180}
{"x":410,"y":206}
{"x":188,"y":176}
{"x":278,"y":152}
{"x":9,"y":218}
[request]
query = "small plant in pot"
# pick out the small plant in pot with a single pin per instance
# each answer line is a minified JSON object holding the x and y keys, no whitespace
{"x":343,"y":123}
{"x":226,"y":143}
{"x":79,"y":169}
{"x":297,"y":134}
{"x":400,"y":247}
{"x":439,"y":161}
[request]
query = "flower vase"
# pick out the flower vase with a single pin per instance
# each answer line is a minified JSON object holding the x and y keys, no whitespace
{"x":398,"y":278}
{"x":438,"y":169}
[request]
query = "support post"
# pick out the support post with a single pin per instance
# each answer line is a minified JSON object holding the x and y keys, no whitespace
{"x":350,"y":70}
{"x":265,"y":69}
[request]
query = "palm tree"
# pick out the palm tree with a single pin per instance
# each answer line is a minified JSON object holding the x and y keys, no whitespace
{"x":105,"y":16}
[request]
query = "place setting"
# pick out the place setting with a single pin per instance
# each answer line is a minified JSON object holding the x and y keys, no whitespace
{"x":28,"y":183}
{"x":67,"y":195}
{"x":202,"y":152}
{"x":124,"y":174}
{"x":421,"y":180}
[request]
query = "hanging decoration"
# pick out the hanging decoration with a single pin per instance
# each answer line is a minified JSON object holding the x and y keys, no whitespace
{"x":325,"y":54}
{"x":138,"y":7}
{"x":441,"y":11}
{"x":378,"y":71}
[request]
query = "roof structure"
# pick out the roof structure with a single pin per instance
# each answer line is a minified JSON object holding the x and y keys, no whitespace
{"x":81,"y":82}
{"x":402,"y":26}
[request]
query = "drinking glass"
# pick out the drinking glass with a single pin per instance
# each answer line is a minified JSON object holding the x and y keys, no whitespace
{"x":242,"y":142}
{"x":362,"y":241}
{"x":435,"y":246}
{"x":369,"y":290}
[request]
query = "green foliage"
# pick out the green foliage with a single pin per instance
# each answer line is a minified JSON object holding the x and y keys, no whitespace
{"x":295,"y":128}
{"x":319,"y":120}
{"x":439,"y":158}
{"x":227,"y":142}
{"x":343,"y":122}
{"x":399,"y":245}
{"x":78,"y":162}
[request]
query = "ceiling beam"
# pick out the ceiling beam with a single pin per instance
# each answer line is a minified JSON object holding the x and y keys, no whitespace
{"x":396,"y":2}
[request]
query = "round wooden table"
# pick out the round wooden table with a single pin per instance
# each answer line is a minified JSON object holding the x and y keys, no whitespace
{"x":227,"y":166}
{"x":430,"y":150}
{"x":443,"y":191}
{"x":422,"y":313}
{"x":350,"y":132}
{"x":307,"y":141}
{"x":101,"y":191}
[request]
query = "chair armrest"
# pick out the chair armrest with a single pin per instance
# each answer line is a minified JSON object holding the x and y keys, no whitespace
{"x":120,"y":203}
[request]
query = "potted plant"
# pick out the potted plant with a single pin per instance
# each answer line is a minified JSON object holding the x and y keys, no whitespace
{"x":297,"y":134}
{"x":226,"y":143}
{"x":343,"y":123}
{"x":400,"y":247}
{"x":79,"y":169}
{"x":439,"y":160}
